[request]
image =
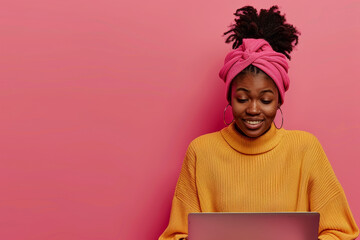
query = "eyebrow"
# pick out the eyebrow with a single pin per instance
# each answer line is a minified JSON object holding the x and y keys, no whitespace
{"x":263,"y":91}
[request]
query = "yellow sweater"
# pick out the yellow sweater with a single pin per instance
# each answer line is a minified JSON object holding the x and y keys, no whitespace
{"x":283,"y":170}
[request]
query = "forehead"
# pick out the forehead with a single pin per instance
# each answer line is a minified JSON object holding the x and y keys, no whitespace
{"x":254,"y":82}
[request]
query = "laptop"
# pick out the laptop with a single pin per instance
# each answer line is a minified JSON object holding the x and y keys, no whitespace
{"x":253,"y":226}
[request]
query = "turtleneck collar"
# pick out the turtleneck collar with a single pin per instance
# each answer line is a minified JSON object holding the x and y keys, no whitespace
{"x":248,"y":145}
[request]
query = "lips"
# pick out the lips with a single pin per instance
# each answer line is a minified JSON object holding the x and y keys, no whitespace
{"x":253,"y":124}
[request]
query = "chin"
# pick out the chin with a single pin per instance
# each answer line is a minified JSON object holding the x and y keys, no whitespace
{"x":252,"y":133}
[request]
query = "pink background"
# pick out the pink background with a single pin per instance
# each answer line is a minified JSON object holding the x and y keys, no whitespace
{"x":100,"y":99}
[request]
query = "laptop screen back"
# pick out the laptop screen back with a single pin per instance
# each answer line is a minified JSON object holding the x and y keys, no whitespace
{"x":254,"y":226}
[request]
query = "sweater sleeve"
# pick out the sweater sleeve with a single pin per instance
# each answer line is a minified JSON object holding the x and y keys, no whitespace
{"x":185,"y":199}
{"x":327,"y":197}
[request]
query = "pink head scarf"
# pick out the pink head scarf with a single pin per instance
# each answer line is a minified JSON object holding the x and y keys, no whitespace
{"x":259,"y":53}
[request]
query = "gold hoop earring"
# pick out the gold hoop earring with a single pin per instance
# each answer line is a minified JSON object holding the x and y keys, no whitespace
{"x":282,"y":119}
{"x":224,"y":115}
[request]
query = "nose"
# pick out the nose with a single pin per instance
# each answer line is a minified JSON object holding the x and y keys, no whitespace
{"x":253,"y":108}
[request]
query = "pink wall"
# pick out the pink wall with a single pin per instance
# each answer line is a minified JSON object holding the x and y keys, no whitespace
{"x":99,"y":100}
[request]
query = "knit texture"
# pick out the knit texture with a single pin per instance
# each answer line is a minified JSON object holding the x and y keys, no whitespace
{"x":281,"y":171}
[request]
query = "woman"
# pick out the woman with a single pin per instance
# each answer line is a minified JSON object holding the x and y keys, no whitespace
{"x":251,"y":165}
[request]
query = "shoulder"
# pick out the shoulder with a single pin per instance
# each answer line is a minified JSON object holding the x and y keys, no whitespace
{"x":300,"y":137}
{"x":207,"y":140}
{"x":306,"y":146}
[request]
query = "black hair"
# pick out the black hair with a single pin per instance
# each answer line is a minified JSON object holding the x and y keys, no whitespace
{"x":269,"y":25}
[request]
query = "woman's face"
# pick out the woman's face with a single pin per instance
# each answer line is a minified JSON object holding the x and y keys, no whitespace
{"x":254,"y":101}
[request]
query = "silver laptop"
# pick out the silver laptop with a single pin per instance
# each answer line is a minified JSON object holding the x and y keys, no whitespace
{"x":254,"y":226}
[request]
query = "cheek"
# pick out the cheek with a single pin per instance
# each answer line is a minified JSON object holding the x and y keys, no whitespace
{"x":270,"y":111}
{"x":237,"y":109}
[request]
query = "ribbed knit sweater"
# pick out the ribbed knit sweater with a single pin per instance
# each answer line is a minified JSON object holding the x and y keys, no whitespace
{"x":280,"y":171}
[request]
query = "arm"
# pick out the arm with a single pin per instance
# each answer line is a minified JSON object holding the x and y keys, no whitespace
{"x":327,"y":197}
{"x":185,"y":199}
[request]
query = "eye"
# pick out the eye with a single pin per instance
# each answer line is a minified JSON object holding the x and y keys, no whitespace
{"x":241,"y":100}
{"x":266,"y":101}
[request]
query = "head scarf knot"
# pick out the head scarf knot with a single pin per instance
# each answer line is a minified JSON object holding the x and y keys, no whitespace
{"x":259,"y":53}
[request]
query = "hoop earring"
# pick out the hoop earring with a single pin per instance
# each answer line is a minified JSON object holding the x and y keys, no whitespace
{"x":224,"y":115}
{"x":282,"y":119}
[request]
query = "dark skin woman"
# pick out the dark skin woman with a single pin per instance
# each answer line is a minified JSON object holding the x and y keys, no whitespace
{"x":254,"y":101}
{"x":253,"y":165}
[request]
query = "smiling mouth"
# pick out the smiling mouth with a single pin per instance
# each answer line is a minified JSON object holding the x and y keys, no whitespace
{"x":253,"y":124}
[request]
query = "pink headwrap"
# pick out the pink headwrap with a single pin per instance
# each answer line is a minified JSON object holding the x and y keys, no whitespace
{"x":259,"y":53}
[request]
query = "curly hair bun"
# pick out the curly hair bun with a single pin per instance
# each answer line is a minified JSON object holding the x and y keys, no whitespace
{"x":268,"y":24}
